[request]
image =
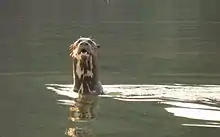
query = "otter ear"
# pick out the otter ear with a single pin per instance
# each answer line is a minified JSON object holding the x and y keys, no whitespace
{"x":72,"y":47}
{"x":98,"y":46}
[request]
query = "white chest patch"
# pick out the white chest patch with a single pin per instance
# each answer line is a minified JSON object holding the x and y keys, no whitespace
{"x":80,"y":72}
{"x":89,"y":74}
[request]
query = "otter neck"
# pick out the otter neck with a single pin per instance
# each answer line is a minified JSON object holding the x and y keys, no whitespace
{"x":84,"y":68}
{"x":85,"y":77}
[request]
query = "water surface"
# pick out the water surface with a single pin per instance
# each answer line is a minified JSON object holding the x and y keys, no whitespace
{"x":150,"y":42}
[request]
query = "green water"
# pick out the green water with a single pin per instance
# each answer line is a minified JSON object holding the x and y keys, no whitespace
{"x":142,"y":42}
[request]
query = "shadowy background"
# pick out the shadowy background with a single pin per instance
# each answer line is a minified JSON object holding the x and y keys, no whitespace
{"x":142,"y":41}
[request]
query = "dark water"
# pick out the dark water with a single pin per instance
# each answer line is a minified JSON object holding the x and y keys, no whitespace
{"x":143,"y":42}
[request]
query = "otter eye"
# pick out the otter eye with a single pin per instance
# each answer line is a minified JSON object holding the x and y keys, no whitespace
{"x":79,"y":41}
{"x":90,"y":42}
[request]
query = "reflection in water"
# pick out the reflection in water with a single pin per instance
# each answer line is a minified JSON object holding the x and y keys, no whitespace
{"x":83,"y":110}
{"x":199,"y":102}
{"x":201,"y":125}
{"x":78,"y":132}
{"x":190,"y":105}
{"x":208,"y":94}
{"x":201,"y":114}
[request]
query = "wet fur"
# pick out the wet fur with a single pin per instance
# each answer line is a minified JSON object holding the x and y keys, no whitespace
{"x":85,"y":84}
